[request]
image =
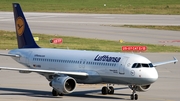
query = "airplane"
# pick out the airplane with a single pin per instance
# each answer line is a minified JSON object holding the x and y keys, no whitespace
{"x":64,"y":68}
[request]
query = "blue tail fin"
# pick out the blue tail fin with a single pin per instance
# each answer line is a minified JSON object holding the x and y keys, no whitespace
{"x":23,"y":33}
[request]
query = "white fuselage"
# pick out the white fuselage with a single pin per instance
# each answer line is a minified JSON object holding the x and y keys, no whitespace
{"x":107,"y":67}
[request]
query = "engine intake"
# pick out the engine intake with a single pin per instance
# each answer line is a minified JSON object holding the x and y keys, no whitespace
{"x":63,"y":84}
{"x":142,"y":88}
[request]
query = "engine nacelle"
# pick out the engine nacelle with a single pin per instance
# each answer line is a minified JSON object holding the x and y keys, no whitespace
{"x":142,"y":88}
{"x":63,"y":84}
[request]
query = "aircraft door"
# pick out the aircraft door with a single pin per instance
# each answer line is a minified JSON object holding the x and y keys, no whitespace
{"x":28,"y":57}
{"x":82,"y":63}
{"x":123,"y":65}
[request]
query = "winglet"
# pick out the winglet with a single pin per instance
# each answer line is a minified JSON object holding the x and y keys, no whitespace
{"x":23,"y":32}
{"x":175,"y":60}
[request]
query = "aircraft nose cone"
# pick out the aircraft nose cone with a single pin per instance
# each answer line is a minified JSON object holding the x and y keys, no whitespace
{"x":152,"y":75}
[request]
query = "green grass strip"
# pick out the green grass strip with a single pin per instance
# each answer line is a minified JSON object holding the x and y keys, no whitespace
{"x":8,"y":41}
{"x":97,"y":6}
{"x":173,"y":28}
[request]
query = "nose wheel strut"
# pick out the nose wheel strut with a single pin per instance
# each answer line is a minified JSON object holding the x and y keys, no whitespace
{"x":134,"y":96}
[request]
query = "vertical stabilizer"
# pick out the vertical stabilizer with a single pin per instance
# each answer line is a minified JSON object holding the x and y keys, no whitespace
{"x":23,"y":33}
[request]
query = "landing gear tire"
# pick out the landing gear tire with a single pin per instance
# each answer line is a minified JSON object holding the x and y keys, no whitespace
{"x":111,"y":90}
{"x":104,"y":90}
{"x":135,"y":96}
{"x":107,"y":90}
{"x":54,"y":92}
{"x":132,"y":97}
{"x":61,"y":94}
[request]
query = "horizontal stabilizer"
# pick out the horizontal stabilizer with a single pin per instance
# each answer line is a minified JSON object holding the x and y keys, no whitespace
{"x":11,"y":55}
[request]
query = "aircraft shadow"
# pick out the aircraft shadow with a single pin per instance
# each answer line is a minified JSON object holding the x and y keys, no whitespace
{"x":47,"y":94}
{"x":97,"y":94}
{"x":26,"y":92}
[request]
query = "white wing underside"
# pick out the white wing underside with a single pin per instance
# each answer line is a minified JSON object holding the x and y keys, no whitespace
{"x":45,"y":71}
{"x":39,"y":70}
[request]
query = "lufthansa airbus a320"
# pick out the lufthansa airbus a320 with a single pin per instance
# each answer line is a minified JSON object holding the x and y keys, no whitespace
{"x":64,"y":68}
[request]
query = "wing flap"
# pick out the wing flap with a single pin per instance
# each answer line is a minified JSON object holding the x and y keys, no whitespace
{"x":166,"y":62}
{"x":45,"y":71}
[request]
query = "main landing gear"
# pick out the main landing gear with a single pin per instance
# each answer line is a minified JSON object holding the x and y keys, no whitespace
{"x":134,"y":96}
{"x":55,"y":93}
{"x":107,"y":90}
{"x":110,"y":90}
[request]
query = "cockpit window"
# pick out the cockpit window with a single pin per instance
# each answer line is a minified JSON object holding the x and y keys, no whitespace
{"x":151,"y":65}
{"x":138,"y":65}
{"x":134,"y":65}
{"x":145,"y":65}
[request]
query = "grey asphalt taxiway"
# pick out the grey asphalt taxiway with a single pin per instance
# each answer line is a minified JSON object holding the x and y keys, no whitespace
{"x":33,"y":87}
{"x":99,"y":26}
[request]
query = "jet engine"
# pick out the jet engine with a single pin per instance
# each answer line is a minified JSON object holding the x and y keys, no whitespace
{"x":63,"y":84}
{"x":142,"y":88}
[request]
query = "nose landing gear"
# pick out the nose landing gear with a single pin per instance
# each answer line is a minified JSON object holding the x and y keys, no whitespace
{"x":134,"y":96}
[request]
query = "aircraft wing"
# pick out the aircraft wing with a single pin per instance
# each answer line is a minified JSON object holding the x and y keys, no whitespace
{"x":166,"y":62}
{"x":39,"y":70}
{"x":44,"y":71}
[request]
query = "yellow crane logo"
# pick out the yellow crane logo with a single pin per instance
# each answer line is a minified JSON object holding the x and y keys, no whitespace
{"x":20,"y":26}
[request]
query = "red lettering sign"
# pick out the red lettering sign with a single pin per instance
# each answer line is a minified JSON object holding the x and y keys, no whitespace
{"x":134,"y":48}
{"x":56,"y":40}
